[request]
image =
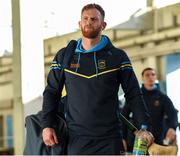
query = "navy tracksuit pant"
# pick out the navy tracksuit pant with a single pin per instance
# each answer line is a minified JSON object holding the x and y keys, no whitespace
{"x":79,"y":145}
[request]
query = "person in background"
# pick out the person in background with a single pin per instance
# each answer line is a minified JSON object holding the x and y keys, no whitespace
{"x":161,"y":109}
{"x":92,"y":80}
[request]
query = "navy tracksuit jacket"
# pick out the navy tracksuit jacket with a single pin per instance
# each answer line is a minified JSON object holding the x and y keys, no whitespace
{"x":92,"y":82}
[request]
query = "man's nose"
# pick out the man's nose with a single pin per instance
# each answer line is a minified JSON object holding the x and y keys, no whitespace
{"x":89,"y":21}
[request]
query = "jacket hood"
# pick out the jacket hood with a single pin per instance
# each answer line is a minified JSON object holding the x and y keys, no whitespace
{"x":103,"y":42}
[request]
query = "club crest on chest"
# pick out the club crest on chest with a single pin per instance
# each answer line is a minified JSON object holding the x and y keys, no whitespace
{"x":101,"y":64}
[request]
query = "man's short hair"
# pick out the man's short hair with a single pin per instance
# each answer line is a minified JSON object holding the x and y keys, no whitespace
{"x":148,"y":68}
{"x":95,"y":6}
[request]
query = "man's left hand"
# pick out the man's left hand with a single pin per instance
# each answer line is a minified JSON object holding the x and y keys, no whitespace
{"x":148,"y":136}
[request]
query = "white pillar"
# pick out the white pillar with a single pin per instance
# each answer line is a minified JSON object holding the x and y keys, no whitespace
{"x":28,"y":62}
{"x":17,"y":92}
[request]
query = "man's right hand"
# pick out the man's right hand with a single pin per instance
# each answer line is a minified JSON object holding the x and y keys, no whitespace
{"x":49,"y":136}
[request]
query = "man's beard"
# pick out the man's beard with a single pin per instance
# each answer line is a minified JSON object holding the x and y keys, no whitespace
{"x":91,"y":33}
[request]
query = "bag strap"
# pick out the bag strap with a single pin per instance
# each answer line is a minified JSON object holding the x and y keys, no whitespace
{"x":67,"y":55}
{"x":69,"y":51}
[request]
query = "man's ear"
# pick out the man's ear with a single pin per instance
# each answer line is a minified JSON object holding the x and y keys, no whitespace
{"x":104,"y":25}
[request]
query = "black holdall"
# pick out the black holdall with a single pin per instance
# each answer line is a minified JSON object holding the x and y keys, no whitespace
{"x":34,"y":142}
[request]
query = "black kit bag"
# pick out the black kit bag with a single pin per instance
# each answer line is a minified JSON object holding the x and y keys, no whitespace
{"x":34,"y":142}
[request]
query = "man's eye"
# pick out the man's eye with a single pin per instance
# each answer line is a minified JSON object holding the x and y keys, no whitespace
{"x":93,"y":19}
{"x":85,"y":18}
